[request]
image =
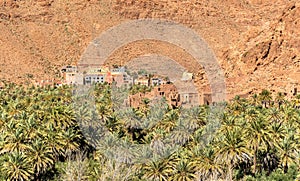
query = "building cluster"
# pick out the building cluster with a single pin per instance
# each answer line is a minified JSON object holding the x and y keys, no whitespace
{"x":173,"y":97}
{"x":179,"y":95}
{"x":118,"y":75}
{"x":104,"y":74}
{"x":101,"y":74}
{"x":168,"y":91}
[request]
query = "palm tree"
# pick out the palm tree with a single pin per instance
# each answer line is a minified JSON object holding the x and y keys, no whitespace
{"x":206,"y":165}
{"x":265,"y":97}
{"x":237,"y":106}
{"x":274,"y":115}
{"x":228,"y":122}
{"x":40,"y":156}
{"x":183,"y":169}
{"x":290,"y":116}
{"x":277,"y":133}
{"x":258,"y":135}
{"x":16,"y":167}
{"x":280,"y":98}
{"x":194,"y":118}
{"x":71,"y":139}
{"x":296,"y":101}
{"x":157,"y":170}
{"x":54,"y":140}
{"x":287,"y":151}
{"x":15,"y":141}
{"x":29,"y":125}
{"x":255,"y":100}
{"x":231,"y":149}
{"x":169,"y":121}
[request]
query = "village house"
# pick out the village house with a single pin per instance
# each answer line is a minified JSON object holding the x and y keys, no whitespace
{"x":118,"y":70}
{"x":119,"y":76}
{"x":155,"y":81}
{"x":69,"y":68}
{"x":136,"y":100}
{"x":205,"y":98}
{"x":168,"y":91}
{"x":189,"y":95}
{"x":128,"y":80}
{"x":144,"y":80}
{"x":123,"y":79}
{"x":186,"y":76}
{"x":69,"y":74}
{"x":189,"y":99}
{"x":94,"y":75}
{"x":94,"y":78}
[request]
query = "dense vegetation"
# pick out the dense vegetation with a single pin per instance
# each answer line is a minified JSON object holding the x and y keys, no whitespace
{"x":256,"y":139}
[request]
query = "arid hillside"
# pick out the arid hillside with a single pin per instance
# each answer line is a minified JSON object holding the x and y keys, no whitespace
{"x":257,"y":42}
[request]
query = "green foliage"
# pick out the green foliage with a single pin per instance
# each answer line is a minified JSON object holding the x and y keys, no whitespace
{"x":255,"y":139}
{"x":277,"y":175}
{"x":139,"y":88}
{"x":38,"y":127}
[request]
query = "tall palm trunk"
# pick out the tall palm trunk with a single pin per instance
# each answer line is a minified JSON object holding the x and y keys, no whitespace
{"x":254,"y":163}
{"x":255,"y":160}
{"x":230,"y":171}
{"x":285,"y":168}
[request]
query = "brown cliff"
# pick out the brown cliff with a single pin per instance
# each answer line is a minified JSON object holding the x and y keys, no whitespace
{"x":256,"y":42}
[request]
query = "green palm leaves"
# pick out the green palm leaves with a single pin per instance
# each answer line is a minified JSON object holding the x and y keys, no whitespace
{"x":16,"y":167}
{"x":40,"y":137}
{"x":37,"y":128}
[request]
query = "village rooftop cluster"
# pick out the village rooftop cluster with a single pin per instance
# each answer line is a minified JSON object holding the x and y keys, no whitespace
{"x":102,"y":74}
{"x":162,"y":87}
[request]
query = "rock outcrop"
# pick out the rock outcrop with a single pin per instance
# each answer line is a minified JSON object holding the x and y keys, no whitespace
{"x":257,"y":42}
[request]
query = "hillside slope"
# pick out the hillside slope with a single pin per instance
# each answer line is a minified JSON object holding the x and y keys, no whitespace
{"x":256,"y":42}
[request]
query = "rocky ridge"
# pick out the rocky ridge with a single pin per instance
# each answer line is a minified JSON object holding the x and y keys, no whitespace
{"x":257,"y":42}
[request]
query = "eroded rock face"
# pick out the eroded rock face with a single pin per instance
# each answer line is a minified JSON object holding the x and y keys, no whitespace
{"x":256,"y":42}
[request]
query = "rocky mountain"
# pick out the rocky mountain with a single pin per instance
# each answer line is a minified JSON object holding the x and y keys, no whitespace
{"x":257,"y":42}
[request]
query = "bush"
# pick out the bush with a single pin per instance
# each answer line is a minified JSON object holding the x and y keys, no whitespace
{"x":277,"y":175}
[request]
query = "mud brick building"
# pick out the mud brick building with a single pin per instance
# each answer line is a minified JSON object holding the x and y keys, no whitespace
{"x":168,"y":91}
